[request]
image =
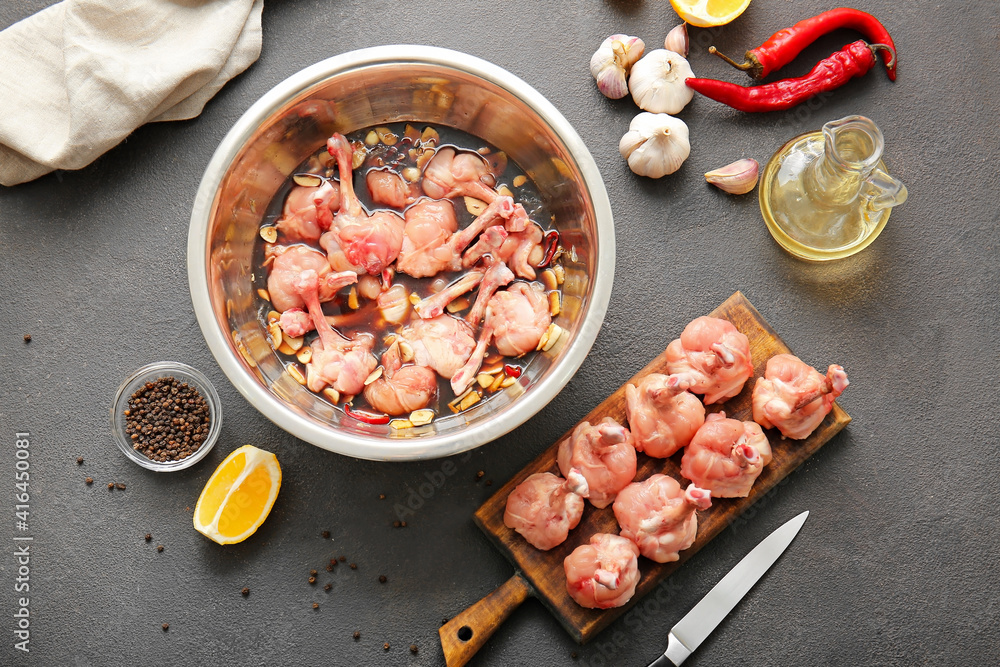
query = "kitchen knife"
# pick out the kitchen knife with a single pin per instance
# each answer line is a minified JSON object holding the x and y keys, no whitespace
{"x":691,"y":631}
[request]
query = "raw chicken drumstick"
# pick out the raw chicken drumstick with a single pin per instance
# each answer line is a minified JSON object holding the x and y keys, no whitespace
{"x":545,"y":507}
{"x":726,"y":456}
{"x":602,"y":574}
{"x":604,"y":455}
{"x":659,"y":517}
{"x":338,"y":362}
{"x":661,"y":415}
{"x":308,"y":211}
{"x":428,"y":247}
{"x":401,"y":389}
{"x":794,"y":397}
{"x":712,"y":358}
{"x":372,"y":241}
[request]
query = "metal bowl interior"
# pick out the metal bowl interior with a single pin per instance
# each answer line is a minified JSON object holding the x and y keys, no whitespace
{"x":361,"y":89}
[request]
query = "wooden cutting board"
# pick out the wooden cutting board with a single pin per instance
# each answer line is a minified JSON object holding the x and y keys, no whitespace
{"x":540,"y":573}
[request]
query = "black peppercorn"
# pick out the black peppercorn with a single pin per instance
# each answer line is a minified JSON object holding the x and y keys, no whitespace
{"x":312,"y":580}
{"x":382,"y":579}
{"x":357,"y":635}
{"x":245,"y":591}
{"x":79,"y":460}
{"x":166,"y":626}
{"x":159,"y":547}
{"x":328,"y":587}
{"x":353,"y":566}
{"x":413,"y":648}
{"x":325,"y":534}
{"x":149,"y":536}
{"x":89,"y":481}
{"x":167,"y":420}
{"x":315,"y":605}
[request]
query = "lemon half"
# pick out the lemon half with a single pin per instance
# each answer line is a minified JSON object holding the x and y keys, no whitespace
{"x":707,"y":13}
{"x":238,"y":496}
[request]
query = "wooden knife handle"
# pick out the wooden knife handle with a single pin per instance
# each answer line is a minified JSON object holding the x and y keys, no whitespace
{"x":464,"y":635}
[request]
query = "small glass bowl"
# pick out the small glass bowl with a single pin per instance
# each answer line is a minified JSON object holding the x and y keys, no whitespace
{"x":183,"y":373}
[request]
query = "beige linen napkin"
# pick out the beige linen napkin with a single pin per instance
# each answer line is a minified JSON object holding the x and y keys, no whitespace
{"x":79,"y":76}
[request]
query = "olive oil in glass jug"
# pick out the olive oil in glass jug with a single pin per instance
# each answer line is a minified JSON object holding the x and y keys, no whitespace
{"x":826,"y":195}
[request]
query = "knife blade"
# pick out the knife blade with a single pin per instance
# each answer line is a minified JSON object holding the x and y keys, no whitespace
{"x":697,"y":624}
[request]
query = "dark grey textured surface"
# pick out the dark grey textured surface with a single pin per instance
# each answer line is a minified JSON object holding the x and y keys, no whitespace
{"x":897,"y":563}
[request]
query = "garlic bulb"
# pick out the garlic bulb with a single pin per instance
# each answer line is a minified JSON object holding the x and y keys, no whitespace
{"x":677,"y":40}
{"x":611,"y":63}
{"x":655,"y":145}
{"x":737,"y":178}
{"x":657,"y":82}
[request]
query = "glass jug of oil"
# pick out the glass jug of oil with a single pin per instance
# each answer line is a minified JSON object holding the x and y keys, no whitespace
{"x":826,"y":195}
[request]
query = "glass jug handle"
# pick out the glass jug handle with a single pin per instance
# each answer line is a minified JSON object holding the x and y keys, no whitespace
{"x":884,"y":191}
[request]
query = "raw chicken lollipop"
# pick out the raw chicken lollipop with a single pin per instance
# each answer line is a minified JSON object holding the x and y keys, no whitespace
{"x":337,"y":362}
{"x":604,"y":456}
{"x":308,"y":211}
{"x":662,"y":417}
{"x":388,"y":188}
{"x":450,"y":174}
{"x":602,"y":574}
{"x":431,"y":243}
{"x":372,"y":241}
{"x":401,"y":389}
{"x":726,"y":456}
{"x":794,"y":397}
{"x":659,"y":517}
{"x":712,"y":358}
{"x":545,"y":507}
{"x":443,"y":343}
{"x":516,"y":319}
{"x":289,"y":263}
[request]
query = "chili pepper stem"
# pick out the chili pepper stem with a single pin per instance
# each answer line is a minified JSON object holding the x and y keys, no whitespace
{"x":744,"y":66}
{"x":888,"y":49}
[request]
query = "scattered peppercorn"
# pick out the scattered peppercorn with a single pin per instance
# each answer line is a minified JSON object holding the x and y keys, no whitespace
{"x":167,"y":420}
{"x":489,"y":482}
{"x":479,"y":475}
{"x":385,"y":646}
{"x":89,"y":481}
{"x":395,"y":524}
{"x":111,"y":486}
{"x":382,"y":579}
{"x":312,"y":580}
{"x":27,"y":338}
{"x":354,"y":566}
{"x":149,"y":536}
{"x":313,"y":573}
{"x":381,"y":496}
{"x":325,"y":534}
{"x":315,"y":605}
{"x":333,"y":562}
{"x":159,"y":547}
{"x":329,"y":568}
{"x":79,"y":460}
{"x":328,"y":587}
{"x":357,"y":635}
{"x":445,"y":620}
{"x":245,"y":591}
{"x":413,"y":648}
{"x":120,"y":486}
{"x":402,"y":524}
{"x":574,"y":655}
{"x":166,"y":626}
{"x":343,"y":559}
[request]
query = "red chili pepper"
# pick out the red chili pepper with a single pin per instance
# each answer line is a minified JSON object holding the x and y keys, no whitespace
{"x":853,"y":60}
{"x":782,"y":47}
{"x":552,"y":242}
{"x":366,"y":417}
{"x":512,"y":371}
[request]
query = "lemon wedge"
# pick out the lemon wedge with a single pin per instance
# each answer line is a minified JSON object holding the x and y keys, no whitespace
{"x":238,"y":496}
{"x":707,"y":13}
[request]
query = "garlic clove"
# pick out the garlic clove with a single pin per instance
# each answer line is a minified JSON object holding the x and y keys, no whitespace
{"x":657,"y":82}
{"x":677,"y":40}
{"x":612,"y":62}
{"x":655,"y":144}
{"x":737,"y":178}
